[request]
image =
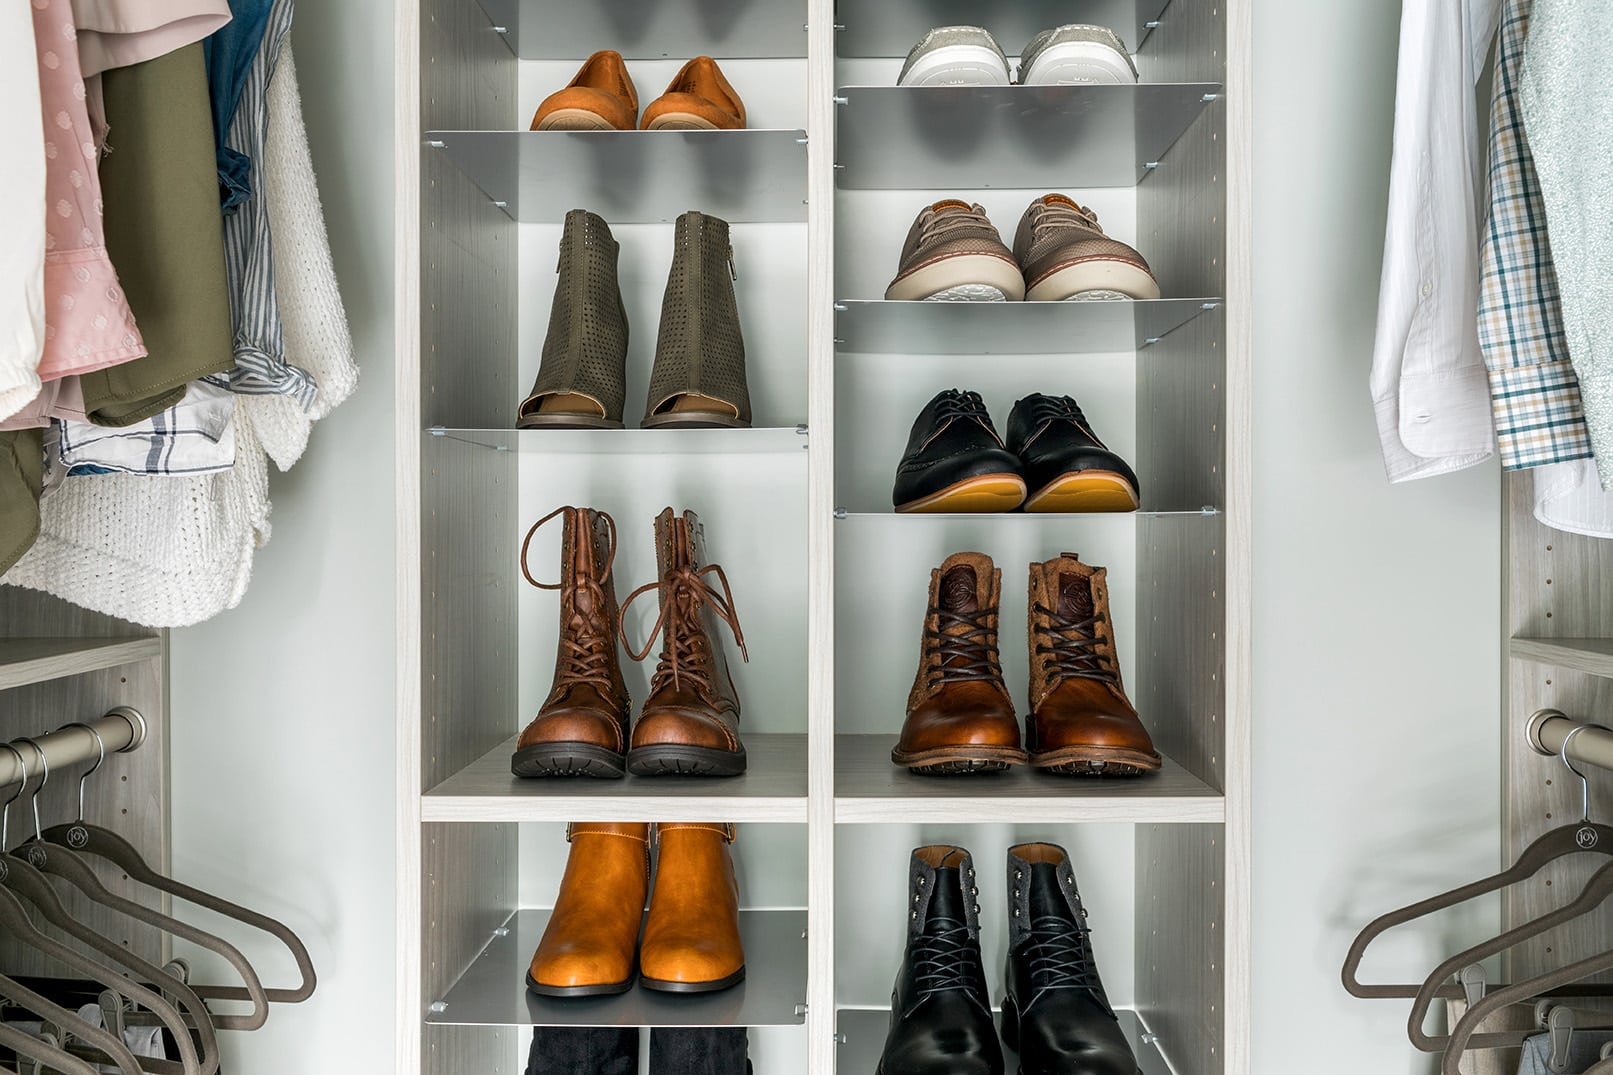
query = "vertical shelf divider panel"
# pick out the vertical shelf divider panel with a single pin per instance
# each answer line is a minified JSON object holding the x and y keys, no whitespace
{"x":457,"y":292}
{"x":821,"y":31}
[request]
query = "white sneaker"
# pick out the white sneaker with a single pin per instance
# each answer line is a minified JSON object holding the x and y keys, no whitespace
{"x":1076,"y":54}
{"x":955,"y":56}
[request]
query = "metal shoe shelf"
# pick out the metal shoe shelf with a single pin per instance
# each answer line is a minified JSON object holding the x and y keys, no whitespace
{"x":829,"y":583}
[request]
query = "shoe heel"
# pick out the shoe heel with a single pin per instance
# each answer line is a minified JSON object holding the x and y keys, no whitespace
{"x":1010,"y":1025}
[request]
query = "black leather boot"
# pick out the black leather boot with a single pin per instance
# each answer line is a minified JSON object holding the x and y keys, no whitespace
{"x":1055,"y":1013}
{"x":940,"y":1010}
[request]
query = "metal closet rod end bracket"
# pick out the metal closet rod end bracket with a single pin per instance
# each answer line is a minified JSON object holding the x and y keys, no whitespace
{"x":1536,"y":723}
{"x":136,"y":720}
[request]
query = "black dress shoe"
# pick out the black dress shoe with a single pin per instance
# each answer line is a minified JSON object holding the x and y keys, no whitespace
{"x":1055,"y":1014}
{"x":940,"y":1011}
{"x":955,"y":461}
{"x":1066,"y":466}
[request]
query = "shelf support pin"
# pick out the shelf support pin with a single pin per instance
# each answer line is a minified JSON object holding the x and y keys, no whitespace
{"x":840,"y":1039}
{"x":840,"y":513}
{"x":501,"y":205}
{"x":502,"y":931}
{"x":1153,"y":24}
{"x":1208,"y":97}
{"x":803,"y":141}
{"x":1149,"y":1037}
{"x":1209,"y":305}
{"x":437,"y":431}
{"x":801,"y":429}
{"x":438,"y":1007}
{"x":1152,"y":340}
{"x":841,"y":307}
{"x":435,"y":145}
{"x":501,"y":30}
{"x":840,"y":100}
{"x":800,"y":1010}
{"x":1151,"y":165}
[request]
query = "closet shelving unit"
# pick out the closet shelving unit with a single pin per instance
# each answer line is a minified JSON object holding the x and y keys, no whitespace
{"x":829,"y":583}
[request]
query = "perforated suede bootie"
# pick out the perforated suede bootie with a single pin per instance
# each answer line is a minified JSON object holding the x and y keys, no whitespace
{"x":582,"y":380}
{"x":699,"y":374}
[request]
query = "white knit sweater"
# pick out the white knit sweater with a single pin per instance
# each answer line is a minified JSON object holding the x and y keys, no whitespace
{"x":173,"y":551}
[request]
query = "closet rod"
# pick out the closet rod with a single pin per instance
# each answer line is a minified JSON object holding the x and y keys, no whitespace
{"x":122,"y":730}
{"x":1548,"y":729}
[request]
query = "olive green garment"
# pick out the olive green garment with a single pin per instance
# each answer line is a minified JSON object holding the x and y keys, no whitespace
{"x":22,"y":470}
{"x":159,"y":182}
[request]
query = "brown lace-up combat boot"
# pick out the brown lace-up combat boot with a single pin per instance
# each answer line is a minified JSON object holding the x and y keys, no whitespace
{"x":581,"y":730}
{"x":1081,"y":722}
{"x":960,"y":717}
{"x":690,"y":722}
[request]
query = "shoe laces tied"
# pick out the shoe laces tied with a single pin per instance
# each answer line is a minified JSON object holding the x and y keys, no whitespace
{"x":965,"y":646}
{"x":946,"y":959}
{"x":1051,"y":216}
{"x":952,"y":218}
{"x":684,"y":591}
{"x":586,"y":651}
{"x":1059,"y":956}
{"x":1075,"y":649}
{"x":955,"y":404}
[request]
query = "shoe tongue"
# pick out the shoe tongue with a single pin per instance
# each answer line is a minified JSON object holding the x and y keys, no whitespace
{"x":1075,"y":596}
{"x":950,"y":203}
{"x":960,"y":590}
{"x":1046,"y":898}
{"x":1060,"y":199}
{"x":947,"y":901}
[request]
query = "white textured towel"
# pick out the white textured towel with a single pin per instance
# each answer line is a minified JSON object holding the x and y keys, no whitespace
{"x":1567,"y":113}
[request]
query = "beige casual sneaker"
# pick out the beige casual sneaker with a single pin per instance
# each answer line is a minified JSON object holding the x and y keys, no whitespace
{"x":954,"y":254}
{"x":1065,"y":255}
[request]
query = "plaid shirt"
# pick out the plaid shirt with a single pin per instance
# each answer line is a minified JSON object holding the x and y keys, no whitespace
{"x":1534,"y":393}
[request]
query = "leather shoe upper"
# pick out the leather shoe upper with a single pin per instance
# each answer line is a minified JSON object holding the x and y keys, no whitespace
{"x":952,"y":440}
{"x":1051,"y":437}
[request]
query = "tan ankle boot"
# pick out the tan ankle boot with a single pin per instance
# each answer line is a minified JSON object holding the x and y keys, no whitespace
{"x":588,"y":947}
{"x":691,"y":937}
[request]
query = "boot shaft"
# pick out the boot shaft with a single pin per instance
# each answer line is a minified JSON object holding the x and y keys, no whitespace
{"x":959,"y":651}
{"x":585,"y":350}
{"x":700,"y":351}
{"x":693,"y":640}
{"x":943,"y":929}
{"x":589,"y":616}
{"x":1070,"y":629}
{"x":1048,"y":938}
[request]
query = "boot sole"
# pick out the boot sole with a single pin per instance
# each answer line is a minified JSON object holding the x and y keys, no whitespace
{"x":559,"y":420}
{"x":672,"y":759}
{"x":720,"y":984}
{"x":681,"y":121}
{"x":959,"y":761}
{"x":984,"y":494}
{"x":692,"y":420}
{"x":607,"y":990}
{"x":1097,"y":761}
{"x":567,"y":759}
{"x":1085,"y":491}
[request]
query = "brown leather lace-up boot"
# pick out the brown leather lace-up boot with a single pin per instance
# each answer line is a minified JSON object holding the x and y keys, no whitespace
{"x":1081,"y":722}
{"x":691,"y":937}
{"x":960,"y":717}
{"x":581,"y":730}
{"x":588,"y":947}
{"x":690,"y":722}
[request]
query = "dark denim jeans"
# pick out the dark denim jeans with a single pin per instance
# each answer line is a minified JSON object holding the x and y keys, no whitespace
{"x":614,"y":1051}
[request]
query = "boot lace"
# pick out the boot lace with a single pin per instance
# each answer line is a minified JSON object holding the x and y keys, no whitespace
{"x":1074,"y":650}
{"x":946,"y":960}
{"x":585,"y":654}
{"x":970,"y":655}
{"x":1056,"y":215}
{"x":684,"y":592}
{"x":1058,"y":955}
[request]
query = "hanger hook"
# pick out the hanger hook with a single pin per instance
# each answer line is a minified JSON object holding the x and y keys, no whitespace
{"x":5,"y":811}
{"x":1562,"y":754}
{"x":100,"y":756}
{"x":44,"y":778}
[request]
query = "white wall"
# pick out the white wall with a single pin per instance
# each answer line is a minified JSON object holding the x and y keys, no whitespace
{"x":283,"y":711}
{"x":1377,"y":609}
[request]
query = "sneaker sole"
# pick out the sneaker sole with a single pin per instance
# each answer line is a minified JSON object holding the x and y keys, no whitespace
{"x":974,"y":496}
{"x":1083,"y":492}
{"x":958,"y":65}
{"x":1097,"y":761}
{"x":575,"y":119}
{"x":1079,"y":63}
{"x":969,"y":276}
{"x":959,"y":761}
{"x":1083,"y":278}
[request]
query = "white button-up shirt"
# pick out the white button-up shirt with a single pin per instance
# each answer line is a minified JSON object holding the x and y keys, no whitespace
{"x":1430,"y":390}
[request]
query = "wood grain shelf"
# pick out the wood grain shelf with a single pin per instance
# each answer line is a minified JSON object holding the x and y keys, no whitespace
{"x":869,"y":789}
{"x":492,"y":991}
{"x":1592,"y":655}
{"x":773,"y":789}
{"x":38,"y":660}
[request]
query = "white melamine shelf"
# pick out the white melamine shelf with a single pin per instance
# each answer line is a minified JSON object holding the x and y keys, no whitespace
{"x":653,"y":29}
{"x":870,"y":789}
{"x":860,"y":1033}
{"x":39,"y":660}
{"x":758,"y":441}
{"x":1592,"y":655}
{"x":891,"y":27}
{"x":772,"y":789}
{"x":1009,"y":137}
{"x":635,"y":177}
{"x":1010,"y":328}
{"x":492,"y":991}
